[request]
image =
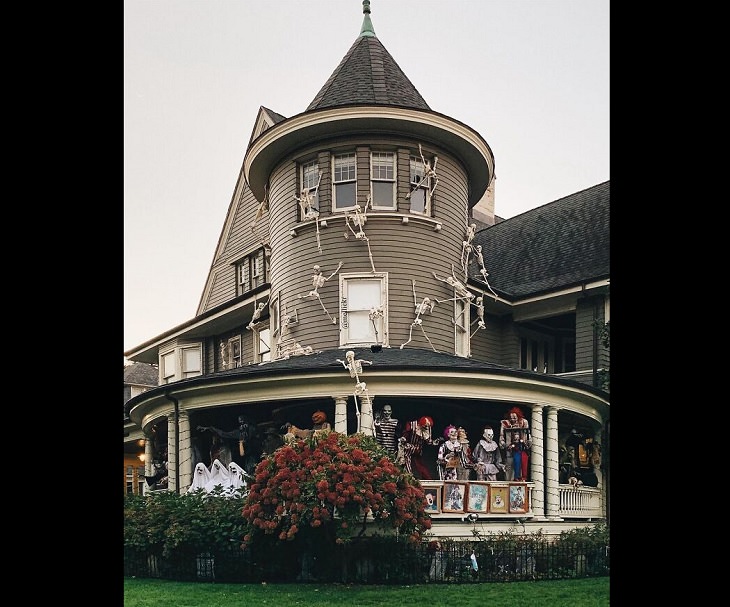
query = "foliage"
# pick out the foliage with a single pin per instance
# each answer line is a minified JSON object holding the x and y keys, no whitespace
{"x":326,"y":487}
{"x":164,"y":522}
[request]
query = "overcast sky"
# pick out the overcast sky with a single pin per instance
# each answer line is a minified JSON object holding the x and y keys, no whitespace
{"x":531,"y":76}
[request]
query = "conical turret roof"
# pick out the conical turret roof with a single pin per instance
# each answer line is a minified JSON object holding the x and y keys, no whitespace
{"x":368,"y":75}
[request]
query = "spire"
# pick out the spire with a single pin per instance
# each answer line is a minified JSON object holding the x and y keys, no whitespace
{"x":367,"y":25}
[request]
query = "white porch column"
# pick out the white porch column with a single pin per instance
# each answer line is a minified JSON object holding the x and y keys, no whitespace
{"x":171,"y":453}
{"x":537,"y":462}
{"x":366,"y":415}
{"x":551,"y":472}
{"x":186,"y":451}
{"x":149,"y":468}
{"x":340,"y":414}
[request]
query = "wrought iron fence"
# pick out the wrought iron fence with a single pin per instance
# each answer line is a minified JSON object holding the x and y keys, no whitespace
{"x":377,"y":561}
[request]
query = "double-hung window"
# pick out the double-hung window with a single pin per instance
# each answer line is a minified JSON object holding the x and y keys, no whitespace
{"x":251,"y":272}
{"x":262,"y":343}
{"x":181,"y":362}
{"x":344,"y":180}
{"x":364,"y":309}
{"x":382,"y":180}
{"x":420,"y":183}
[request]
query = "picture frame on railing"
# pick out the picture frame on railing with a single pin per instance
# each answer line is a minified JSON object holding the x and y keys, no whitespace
{"x":478,"y":497}
{"x":433,"y":498}
{"x":518,"y":498}
{"x":498,"y":499}
{"x":455,"y":496}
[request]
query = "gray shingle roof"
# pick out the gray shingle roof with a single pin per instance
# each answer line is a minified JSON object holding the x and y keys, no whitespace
{"x":368,"y":75}
{"x":561,"y":243}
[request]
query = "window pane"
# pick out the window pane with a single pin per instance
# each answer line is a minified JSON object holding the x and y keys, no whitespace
{"x":168,"y":364}
{"x":363,"y":294}
{"x":418,"y":201}
{"x":383,"y":193}
{"x":345,"y":195}
{"x":360,"y":328}
{"x":191,"y":360}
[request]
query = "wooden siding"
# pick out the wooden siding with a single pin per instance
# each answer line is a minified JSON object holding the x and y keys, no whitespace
{"x":238,"y":241}
{"x":584,"y":334}
{"x":399,"y":250}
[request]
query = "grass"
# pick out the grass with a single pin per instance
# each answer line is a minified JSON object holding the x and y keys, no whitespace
{"x":586,"y":592}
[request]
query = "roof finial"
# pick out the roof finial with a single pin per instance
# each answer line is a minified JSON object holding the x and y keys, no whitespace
{"x":367,"y":25}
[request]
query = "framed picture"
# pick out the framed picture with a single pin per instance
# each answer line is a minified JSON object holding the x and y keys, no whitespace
{"x":433,"y":499}
{"x":455,"y":495}
{"x":236,"y":347}
{"x":498,"y":499}
{"x":518,"y":497}
{"x":478,"y":497}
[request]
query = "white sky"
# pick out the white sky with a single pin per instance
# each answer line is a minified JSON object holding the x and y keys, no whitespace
{"x":531,"y":76}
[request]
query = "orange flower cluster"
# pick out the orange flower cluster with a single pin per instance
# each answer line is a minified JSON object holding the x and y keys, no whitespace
{"x":334,"y":482}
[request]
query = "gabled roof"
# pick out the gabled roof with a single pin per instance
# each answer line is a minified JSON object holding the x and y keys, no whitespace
{"x":368,"y":75}
{"x":559,"y":244}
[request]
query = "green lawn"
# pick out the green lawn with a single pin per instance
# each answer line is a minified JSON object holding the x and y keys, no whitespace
{"x":586,"y":592}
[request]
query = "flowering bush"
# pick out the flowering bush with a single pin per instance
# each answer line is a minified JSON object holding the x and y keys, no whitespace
{"x":332,"y":483}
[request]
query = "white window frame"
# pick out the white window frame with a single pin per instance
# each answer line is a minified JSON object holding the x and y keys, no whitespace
{"x":383,"y":172}
{"x":462,"y":323}
{"x":419,"y":185}
{"x":275,"y":314}
{"x":355,"y":315}
{"x":168,"y":366}
{"x":251,"y":271}
{"x":344,"y":173}
{"x":260,"y":344}
{"x":180,"y":362}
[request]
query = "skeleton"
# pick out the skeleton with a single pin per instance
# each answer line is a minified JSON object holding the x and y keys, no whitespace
{"x":355,"y":369}
{"x":426,"y":305}
{"x":461,"y":293}
{"x":318,"y":281}
{"x":359,"y":220}
{"x":256,"y":315}
{"x":374,"y":314}
{"x":429,"y":172}
{"x":483,"y":270}
{"x":480,"y":315}
{"x":466,"y":247}
{"x":309,"y":212}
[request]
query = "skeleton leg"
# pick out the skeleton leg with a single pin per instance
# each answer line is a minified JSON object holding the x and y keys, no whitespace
{"x":426,"y":336}
{"x":332,"y":318}
{"x":410,"y":336}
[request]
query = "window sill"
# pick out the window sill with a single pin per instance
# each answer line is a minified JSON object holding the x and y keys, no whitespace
{"x":403,"y":218}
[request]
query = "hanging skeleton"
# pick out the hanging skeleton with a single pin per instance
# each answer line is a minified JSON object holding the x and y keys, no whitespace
{"x":460,"y":290}
{"x":355,"y":368}
{"x":308,"y":211}
{"x":256,"y":314}
{"x":429,"y":172}
{"x":480,"y":315}
{"x":318,"y":280}
{"x":426,"y":305}
{"x":359,"y":220}
{"x":483,"y":270}
{"x":466,"y":248}
{"x":373,"y":315}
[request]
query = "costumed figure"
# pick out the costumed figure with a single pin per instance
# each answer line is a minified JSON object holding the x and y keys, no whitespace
{"x":437,"y":568}
{"x":386,"y":429}
{"x":320,"y":426}
{"x":464,"y":470}
{"x":237,"y":477}
{"x":416,"y":434}
{"x":201,"y":476}
{"x":219,"y":476}
{"x":451,"y":455}
{"x":519,"y":450}
{"x":515,"y":421}
{"x":488,"y":456}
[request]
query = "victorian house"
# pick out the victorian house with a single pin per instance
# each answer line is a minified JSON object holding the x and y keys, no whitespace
{"x":361,"y":264}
